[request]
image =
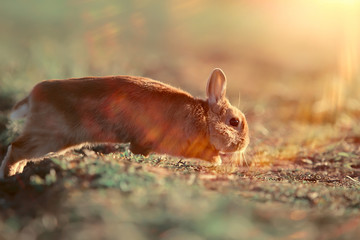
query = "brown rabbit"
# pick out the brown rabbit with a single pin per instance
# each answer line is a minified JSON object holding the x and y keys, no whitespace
{"x":150,"y":115}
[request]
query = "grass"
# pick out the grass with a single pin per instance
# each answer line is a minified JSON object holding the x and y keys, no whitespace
{"x":304,"y":179}
{"x":92,"y":193}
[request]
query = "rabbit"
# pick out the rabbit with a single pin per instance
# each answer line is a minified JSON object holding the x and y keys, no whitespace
{"x":148,"y":114}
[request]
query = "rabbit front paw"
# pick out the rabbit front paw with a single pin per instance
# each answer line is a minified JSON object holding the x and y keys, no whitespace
{"x":216,"y":161}
{"x":138,"y":149}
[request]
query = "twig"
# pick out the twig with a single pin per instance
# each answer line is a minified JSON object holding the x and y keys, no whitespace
{"x":354,"y":180}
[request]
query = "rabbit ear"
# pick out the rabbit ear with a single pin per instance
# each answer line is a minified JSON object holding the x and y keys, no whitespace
{"x":216,"y":86}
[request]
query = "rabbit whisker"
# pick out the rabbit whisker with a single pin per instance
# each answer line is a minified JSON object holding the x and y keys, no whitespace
{"x":243,"y":156}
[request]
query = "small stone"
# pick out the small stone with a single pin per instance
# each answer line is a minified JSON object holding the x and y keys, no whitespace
{"x":307,"y":161}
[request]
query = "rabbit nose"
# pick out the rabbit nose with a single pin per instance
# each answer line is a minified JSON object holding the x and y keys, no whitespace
{"x":243,"y":142}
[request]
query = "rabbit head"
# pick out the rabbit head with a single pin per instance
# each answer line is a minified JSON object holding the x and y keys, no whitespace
{"x":228,"y":129}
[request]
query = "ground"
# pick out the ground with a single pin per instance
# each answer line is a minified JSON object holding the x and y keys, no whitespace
{"x":297,"y":83}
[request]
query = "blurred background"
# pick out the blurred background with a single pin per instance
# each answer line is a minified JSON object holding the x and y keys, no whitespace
{"x":293,"y":67}
{"x":284,"y":59}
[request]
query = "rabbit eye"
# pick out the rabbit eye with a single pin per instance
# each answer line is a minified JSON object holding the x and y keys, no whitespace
{"x":234,"y":122}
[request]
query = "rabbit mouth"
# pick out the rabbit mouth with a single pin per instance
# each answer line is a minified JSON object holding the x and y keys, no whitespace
{"x":234,"y":158}
{"x":230,"y":152}
{"x":228,"y":156}
{"x":238,"y":149}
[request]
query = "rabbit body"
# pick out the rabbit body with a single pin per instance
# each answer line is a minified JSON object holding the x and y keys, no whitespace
{"x":150,"y":115}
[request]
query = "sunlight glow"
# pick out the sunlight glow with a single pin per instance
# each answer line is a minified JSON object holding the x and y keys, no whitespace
{"x":332,"y":29}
